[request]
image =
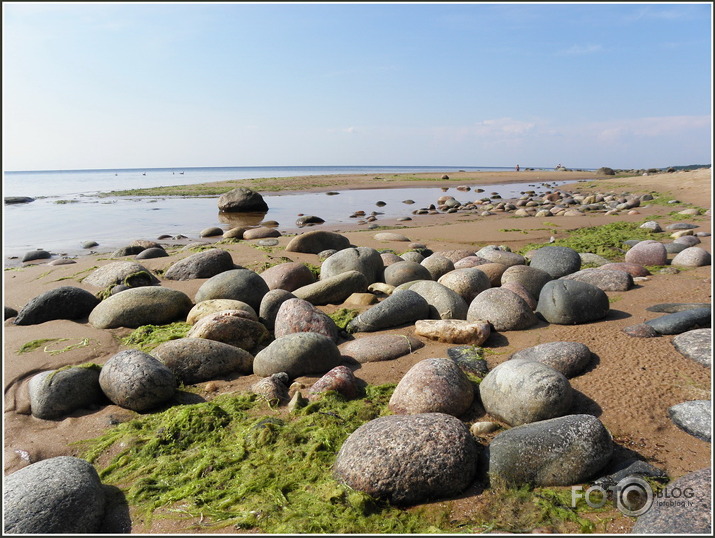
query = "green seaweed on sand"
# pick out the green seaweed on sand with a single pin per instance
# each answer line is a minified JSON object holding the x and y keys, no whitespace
{"x":343,"y":316}
{"x":147,"y":337}
{"x":234,"y":461}
{"x":36,"y":344}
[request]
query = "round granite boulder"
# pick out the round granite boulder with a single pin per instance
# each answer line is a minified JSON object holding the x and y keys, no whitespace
{"x":233,"y":327}
{"x":239,"y":284}
{"x":648,"y":252}
{"x":568,"y":358}
{"x":532,"y":278}
{"x":66,"y":302}
{"x":57,"y":393}
{"x":556,"y":261}
{"x":692,"y":257}
{"x":407,"y":459}
{"x":570,"y":302}
{"x":444,"y":303}
{"x":242,"y":199}
{"x":149,"y":305}
{"x":403,"y":306}
{"x":317,"y":241}
{"x":288,"y":276}
{"x":300,"y":316}
{"x":468,"y":282}
{"x":201,"y":265}
{"x":364,"y":260}
{"x":297,"y":354}
{"x":194,"y":360}
{"x":503,"y":308}
{"x":405,"y":271}
{"x":437,"y":265}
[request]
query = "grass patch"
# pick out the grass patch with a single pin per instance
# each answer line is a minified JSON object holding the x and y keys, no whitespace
{"x":147,"y":337}
{"x":343,"y":316}
{"x":607,"y":240}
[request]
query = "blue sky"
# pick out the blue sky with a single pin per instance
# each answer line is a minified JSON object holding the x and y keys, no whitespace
{"x":113,"y":85}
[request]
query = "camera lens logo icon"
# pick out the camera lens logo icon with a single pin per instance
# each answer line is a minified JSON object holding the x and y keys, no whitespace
{"x":633,"y":496}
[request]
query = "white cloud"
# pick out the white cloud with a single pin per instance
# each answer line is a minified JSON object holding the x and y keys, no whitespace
{"x":579,"y":50}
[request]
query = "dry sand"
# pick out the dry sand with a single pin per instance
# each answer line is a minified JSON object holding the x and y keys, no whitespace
{"x":630,"y":386}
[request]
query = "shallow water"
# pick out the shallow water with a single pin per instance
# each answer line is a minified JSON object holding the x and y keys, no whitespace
{"x":61,"y":228}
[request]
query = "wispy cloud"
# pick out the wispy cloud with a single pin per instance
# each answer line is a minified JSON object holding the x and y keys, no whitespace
{"x":579,"y":50}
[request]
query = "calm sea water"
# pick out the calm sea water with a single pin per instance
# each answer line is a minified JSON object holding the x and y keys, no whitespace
{"x":67,"y":211}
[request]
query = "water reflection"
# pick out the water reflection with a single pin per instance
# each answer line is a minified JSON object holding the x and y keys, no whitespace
{"x":234,"y":220}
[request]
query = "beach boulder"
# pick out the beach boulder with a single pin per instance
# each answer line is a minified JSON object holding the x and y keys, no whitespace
{"x":66,"y":302}
{"x":556,"y":261}
{"x":402,"y":307}
{"x":532,"y":278}
{"x":454,"y":331}
{"x":211,"y":306}
{"x":297,"y":354}
{"x":317,"y":241}
{"x":201,"y":265}
{"x":437,"y":265}
{"x":405,"y":271}
{"x":298,"y":316}
{"x":692,"y":257}
{"x":407,"y":459}
{"x":561,"y":451}
{"x":242,"y":199}
{"x":38,"y":254}
{"x":570,"y":302}
{"x":694,"y":417}
{"x":135,"y":307}
{"x":120,"y":273}
{"x":364,"y":260}
{"x":605,"y":279}
{"x":233,"y":327}
{"x":443,"y":302}
{"x":270,"y":305}
{"x":468,"y":282}
{"x":379,"y":347}
{"x":333,"y":290}
{"x":648,"y":252}
{"x":496,"y":254}
{"x":340,"y":379}
{"x":61,"y":495}
{"x":695,"y":345}
{"x":503,"y":308}
{"x":288,"y":276}
{"x":680,"y":322}
{"x":239,"y":284}
{"x":568,"y":358}
{"x":57,"y":393}
{"x":137,"y":381}
{"x":193,"y":360}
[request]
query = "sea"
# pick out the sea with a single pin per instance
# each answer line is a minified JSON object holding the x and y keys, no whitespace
{"x":67,"y":210}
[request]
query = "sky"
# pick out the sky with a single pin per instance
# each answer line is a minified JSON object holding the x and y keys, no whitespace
{"x":132,"y":85}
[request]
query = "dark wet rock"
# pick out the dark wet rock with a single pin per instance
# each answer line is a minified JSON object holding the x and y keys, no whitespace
{"x":444,"y":303}
{"x":403,"y":306}
{"x":297,"y":354}
{"x":468,"y":282}
{"x":503,"y":308}
{"x":692,"y":257}
{"x":568,"y":358}
{"x":66,"y":302}
{"x":154,"y":252}
{"x":632,"y":269}
{"x":233,"y":327}
{"x":519,"y":391}
{"x":675,"y":307}
{"x":136,"y":380}
{"x":405,"y":271}
{"x":194,"y":360}
{"x":300,"y":316}
{"x":469,"y":359}
{"x":130,"y":250}
{"x":560,"y":451}
{"x":380,"y":347}
{"x":317,"y":241}
{"x":454,"y":331}
{"x":18,"y":199}
{"x":135,"y":307}
{"x":605,"y":279}
{"x":61,"y":495}
{"x":333,"y":290}
{"x":118,"y":273}
{"x":364,"y":260}
{"x":648,"y":252}
{"x":270,"y":305}
{"x":532,"y":278}
{"x":262,"y":232}
{"x":694,"y":417}
{"x":570,"y":302}
{"x":211,"y":306}
{"x":288,"y":276}
{"x":692,"y":515}
{"x":433,"y":386}
{"x":556,"y":261}
{"x":308,"y":220}
{"x":239,"y":284}
{"x":241,"y":199}
{"x":631,"y":468}
{"x":407,"y":459}
{"x":680,"y":322}
{"x":273,"y":388}
{"x":57,"y":393}
{"x":9,"y":313}
{"x":340,"y":379}
{"x":204,"y":264}
{"x":695,"y":345}
{"x":36,"y":255}
{"x":437,"y":265}
{"x":641,"y":330}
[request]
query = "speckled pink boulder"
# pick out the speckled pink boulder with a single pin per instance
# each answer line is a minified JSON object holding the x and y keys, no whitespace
{"x":632,"y":269}
{"x":340,"y":379}
{"x":692,"y":257}
{"x":300,"y":316}
{"x":288,"y":276}
{"x":648,"y":252}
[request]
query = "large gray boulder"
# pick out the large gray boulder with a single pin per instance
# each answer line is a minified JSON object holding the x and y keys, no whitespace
{"x":297,"y":354}
{"x":556,"y":261}
{"x":270,"y":305}
{"x":233,"y":327}
{"x":696,"y":345}
{"x":407,"y":459}
{"x":405,"y":271}
{"x":151,"y":305}
{"x":239,"y":284}
{"x":560,"y":451}
{"x":194,"y":360}
{"x":242,"y":200}
{"x":61,"y":495}
{"x":437,"y":265}
{"x":532,"y":278}
{"x":694,"y":417}
{"x":379,"y":347}
{"x":570,"y":302}
{"x":519,"y":391}
{"x":503,"y":308}
{"x":443,"y":302}
{"x":201,"y":265}
{"x":317,"y":241}
{"x":680,"y":322}
{"x":496,"y":254}
{"x":333,"y":290}
{"x":211,"y":306}
{"x":364,"y":260}
{"x":117,"y":273}
{"x":605,"y":279}
{"x":568,"y":358}
{"x":468,"y":282}
{"x":692,"y":257}
{"x":136,"y":380}
{"x":433,"y":386}
{"x":402,"y":307}
{"x":66,"y":302}
{"x":57,"y":393}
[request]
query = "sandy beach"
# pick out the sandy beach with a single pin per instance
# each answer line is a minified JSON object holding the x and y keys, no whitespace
{"x":630,"y":387}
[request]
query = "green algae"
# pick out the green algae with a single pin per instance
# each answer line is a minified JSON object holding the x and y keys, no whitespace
{"x":36,"y":344}
{"x":147,"y":337}
{"x":343,"y":316}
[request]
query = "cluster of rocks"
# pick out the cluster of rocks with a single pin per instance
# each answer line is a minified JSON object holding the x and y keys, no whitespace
{"x":269,"y":325}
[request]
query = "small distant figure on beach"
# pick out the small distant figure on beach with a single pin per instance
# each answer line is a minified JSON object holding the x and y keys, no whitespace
{"x":517,"y":167}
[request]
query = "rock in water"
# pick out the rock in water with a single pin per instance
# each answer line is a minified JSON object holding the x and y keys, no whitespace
{"x":61,"y":495}
{"x":557,"y":452}
{"x":241,"y":199}
{"x":407,"y":459}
